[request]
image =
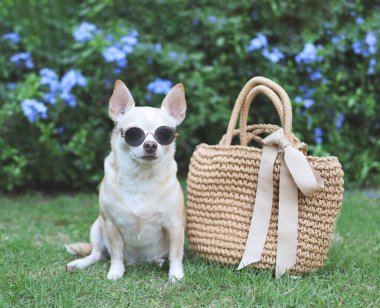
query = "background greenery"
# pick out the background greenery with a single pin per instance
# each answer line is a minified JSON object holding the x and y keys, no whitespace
{"x":323,"y":53}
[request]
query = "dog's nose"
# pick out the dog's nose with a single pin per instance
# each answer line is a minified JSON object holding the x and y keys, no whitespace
{"x":150,"y":146}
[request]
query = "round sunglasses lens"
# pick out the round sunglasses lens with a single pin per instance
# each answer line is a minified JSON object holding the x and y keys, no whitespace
{"x":164,"y":135}
{"x":134,"y":136}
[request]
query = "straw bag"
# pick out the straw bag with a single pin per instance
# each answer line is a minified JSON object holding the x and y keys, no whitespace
{"x":263,"y":207}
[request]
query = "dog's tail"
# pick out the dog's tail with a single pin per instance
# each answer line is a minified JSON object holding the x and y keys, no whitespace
{"x":83,"y":249}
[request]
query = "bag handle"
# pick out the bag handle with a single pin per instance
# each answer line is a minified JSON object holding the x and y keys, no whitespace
{"x":255,"y":131}
{"x":253,"y":87}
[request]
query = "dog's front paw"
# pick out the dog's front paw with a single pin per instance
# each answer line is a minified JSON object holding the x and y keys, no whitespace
{"x":176,"y":274}
{"x":116,"y":271}
{"x":114,"y":275}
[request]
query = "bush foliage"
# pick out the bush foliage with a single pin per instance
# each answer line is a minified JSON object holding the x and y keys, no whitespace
{"x":60,"y":60}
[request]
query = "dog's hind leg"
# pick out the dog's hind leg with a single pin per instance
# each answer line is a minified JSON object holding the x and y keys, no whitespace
{"x":98,"y":248}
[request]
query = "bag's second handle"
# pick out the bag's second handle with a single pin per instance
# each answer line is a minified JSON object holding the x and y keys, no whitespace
{"x":252,"y":88}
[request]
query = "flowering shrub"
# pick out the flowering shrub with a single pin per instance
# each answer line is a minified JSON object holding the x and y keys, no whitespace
{"x":58,"y":71}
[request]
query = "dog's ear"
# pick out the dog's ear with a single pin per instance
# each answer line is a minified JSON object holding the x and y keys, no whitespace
{"x":121,"y":100}
{"x":175,"y":103}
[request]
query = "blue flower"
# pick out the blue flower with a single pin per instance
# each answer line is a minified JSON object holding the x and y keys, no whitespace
{"x":160,"y":86}
{"x":260,"y":41}
{"x":117,"y":54}
{"x":318,"y":133}
{"x":360,"y":47}
{"x":84,"y":32}
{"x":129,"y":40}
{"x":11,"y":85}
{"x":357,"y":47}
{"x":308,"y":102}
{"x":60,"y":130}
{"x":113,"y":54}
{"x":212,"y":19}
{"x":50,"y":78}
{"x":298,"y":99}
{"x":117,"y":70}
{"x":359,"y":20}
{"x":173,"y":55}
{"x":307,"y":92}
{"x":127,"y":49}
{"x":51,"y":97}
{"x":134,"y":33}
{"x":339,"y":40}
{"x":13,"y":37}
{"x":305,"y":97}
{"x":69,"y":99}
{"x":372,"y":64}
{"x":370,"y":38}
{"x":23,"y":58}
{"x":61,"y":89}
{"x":122,"y":63}
{"x":335,"y":39}
{"x":109,"y":37}
{"x":371,"y":41}
{"x":308,"y":54}
{"x":34,"y":109}
{"x":71,"y":79}
{"x":339,"y":121}
{"x":157,"y":47}
{"x":47,"y":75}
{"x":316,"y":75}
{"x":274,"y":56}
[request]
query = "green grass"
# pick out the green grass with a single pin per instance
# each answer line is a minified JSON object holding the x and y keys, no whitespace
{"x":33,"y":229}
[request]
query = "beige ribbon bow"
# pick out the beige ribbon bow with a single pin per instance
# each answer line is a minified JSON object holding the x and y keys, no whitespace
{"x":295,"y":172}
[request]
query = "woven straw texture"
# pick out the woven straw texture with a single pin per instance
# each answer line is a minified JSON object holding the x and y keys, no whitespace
{"x":222,"y":183}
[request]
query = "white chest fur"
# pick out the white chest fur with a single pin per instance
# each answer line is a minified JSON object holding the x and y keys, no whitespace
{"x":141,"y":208}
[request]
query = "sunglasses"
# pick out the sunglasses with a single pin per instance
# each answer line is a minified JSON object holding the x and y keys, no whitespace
{"x":135,"y":136}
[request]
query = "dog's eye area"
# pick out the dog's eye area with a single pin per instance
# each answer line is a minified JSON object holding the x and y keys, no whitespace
{"x":134,"y":136}
{"x":164,"y":135}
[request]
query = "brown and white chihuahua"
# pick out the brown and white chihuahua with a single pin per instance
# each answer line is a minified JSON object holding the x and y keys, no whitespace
{"x":142,"y":216}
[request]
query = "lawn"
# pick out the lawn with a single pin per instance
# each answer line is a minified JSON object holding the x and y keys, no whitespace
{"x":34,"y":228}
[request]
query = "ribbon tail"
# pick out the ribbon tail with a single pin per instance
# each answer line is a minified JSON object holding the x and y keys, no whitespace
{"x":287,"y":222}
{"x":258,"y":229}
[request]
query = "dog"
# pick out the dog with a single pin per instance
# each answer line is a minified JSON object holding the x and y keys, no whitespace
{"x":142,"y":215}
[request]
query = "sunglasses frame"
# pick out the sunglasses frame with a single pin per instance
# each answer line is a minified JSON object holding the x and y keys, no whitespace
{"x":123,"y":132}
